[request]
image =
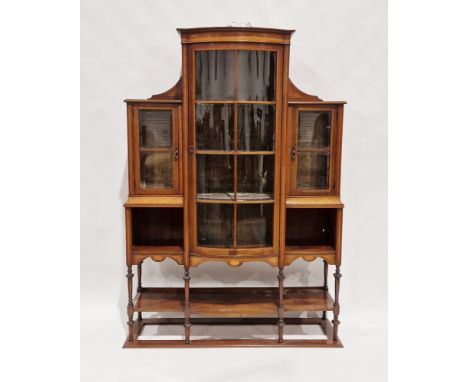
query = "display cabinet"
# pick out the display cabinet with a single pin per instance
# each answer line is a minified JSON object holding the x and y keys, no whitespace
{"x":234,"y":164}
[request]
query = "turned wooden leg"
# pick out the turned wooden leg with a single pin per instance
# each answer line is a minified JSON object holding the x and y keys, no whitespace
{"x":139,"y":287}
{"x":325,"y":285}
{"x":336,"y":305}
{"x":130,"y":307}
{"x":187,"y":305}
{"x":280,"y":305}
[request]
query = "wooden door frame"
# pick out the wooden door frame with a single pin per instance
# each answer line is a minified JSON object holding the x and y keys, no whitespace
{"x":335,"y":147}
{"x":191,"y":187}
{"x":176,"y":150}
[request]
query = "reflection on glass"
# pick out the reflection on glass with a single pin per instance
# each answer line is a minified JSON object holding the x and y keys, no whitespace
{"x":155,"y":169}
{"x":214,"y":224}
{"x":255,"y":176}
{"x":312,"y":170}
{"x":256,"y":75}
{"x":215,"y":176}
{"x":214,"y":72}
{"x":256,"y":127}
{"x":218,"y":208}
{"x":314,"y":129}
{"x":155,"y":128}
{"x":215,"y":127}
{"x":254,"y":225}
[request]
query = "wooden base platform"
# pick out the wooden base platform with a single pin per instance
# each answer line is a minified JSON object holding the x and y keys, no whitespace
{"x":324,"y":324}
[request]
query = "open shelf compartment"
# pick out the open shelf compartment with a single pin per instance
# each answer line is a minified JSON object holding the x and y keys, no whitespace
{"x":233,"y":302}
{"x":155,"y":227}
{"x":312,"y":232}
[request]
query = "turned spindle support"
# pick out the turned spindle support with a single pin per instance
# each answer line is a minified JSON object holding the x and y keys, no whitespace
{"x":325,"y":285}
{"x":336,"y":304}
{"x":139,"y":287}
{"x":280,"y":305}
{"x":130,"y":307}
{"x":187,"y":323}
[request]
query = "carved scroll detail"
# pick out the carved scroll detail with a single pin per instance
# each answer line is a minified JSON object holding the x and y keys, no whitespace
{"x":158,"y":258}
{"x":289,"y":259}
{"x":195,"y":260}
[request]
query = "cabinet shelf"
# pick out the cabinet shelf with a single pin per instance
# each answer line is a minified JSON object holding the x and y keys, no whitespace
{"x":233,"y":302}
{"x":318,"y":250}
{"x":310,"y":253}
{"x":157,"y":250}
{"x":154,"y":201}
{"x":314,"y":202}
{"x":242,"y":197}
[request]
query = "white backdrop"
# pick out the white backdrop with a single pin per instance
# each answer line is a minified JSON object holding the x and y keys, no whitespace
{"x":130,"y":49}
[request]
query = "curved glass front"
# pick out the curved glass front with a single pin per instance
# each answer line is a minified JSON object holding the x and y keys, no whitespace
{"x":235,"y":123}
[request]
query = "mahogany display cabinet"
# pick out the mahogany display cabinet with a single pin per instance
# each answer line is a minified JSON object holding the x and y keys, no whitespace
{"x":234,"y":164}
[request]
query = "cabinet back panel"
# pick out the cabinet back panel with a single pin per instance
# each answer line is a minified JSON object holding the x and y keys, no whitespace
{"x":310,"y":226}
{"x":157,"y":226}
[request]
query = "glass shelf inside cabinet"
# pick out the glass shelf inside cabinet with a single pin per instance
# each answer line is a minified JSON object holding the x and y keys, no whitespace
{"x":241,"y":196}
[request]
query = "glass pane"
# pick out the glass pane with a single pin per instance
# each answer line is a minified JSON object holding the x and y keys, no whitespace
{"x":255,"y":224}
{"x":214,"y":224}
{"x":215,"y":127}
{"x":215,"y":176}
{"x":314,"y":129}
{"x":255,"y":176}
{"x":256,"y":75}
{"x":256,"y":127}
{"x":214,"y":75}
{"x":312,"y":170}
{"x":155,"y":128}
{"x":155,"y":169}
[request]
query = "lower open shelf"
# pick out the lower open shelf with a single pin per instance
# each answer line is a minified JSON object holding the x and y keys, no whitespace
{"x":263,"y":327}
{"x":233,"y":302}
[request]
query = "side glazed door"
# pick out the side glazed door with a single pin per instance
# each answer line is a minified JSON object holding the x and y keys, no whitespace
{"x":312,"y":147}
{"x":156,"y":150}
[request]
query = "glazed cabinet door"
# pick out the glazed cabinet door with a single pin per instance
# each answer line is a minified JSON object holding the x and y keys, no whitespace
{"x":312,"y":150}
{"x":156,"y":149}
{"x":235,"y":168}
